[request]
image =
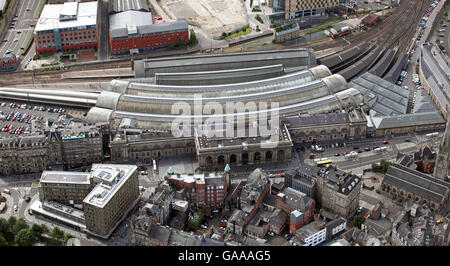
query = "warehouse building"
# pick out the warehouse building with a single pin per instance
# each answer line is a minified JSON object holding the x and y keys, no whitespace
{"x":133,"y":32}
{"x":66,"y":27}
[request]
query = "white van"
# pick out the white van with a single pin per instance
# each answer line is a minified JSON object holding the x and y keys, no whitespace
{"x":6,"y":191}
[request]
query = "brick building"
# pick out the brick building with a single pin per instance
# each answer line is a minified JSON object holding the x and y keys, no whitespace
{"x":133,"y":31}
{"x":253,"y":192}
{"x":300,"y":207}
{"x":8,"y":63}
{"x":69,"y":26}
{"x":207,"y":191}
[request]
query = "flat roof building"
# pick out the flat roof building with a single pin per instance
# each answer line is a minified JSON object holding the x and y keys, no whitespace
{"x":66,"y":27}
{"x":107,"y":194}
{"x":134,"y":31}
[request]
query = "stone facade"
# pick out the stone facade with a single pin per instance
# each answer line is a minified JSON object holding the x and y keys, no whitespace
{"x":407,"y":184}
{"x":73,"y":145}
{"x":325,"y":127}
{"x":334,"y":189}
{"x":143,"y":146}
{"x":23,"y":155}
{"x":217,"y":152}
{"x":441,"y":169}
{"x":104,"y":211}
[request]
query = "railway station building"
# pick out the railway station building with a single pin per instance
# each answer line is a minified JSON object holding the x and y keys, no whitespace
{"x":66,"y":27}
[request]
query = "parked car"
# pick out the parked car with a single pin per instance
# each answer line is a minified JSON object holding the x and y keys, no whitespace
{"x":385,"y":142}
{"x":28,"y":199}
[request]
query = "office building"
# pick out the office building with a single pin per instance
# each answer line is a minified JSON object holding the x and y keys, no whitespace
{"x":70,"y":26}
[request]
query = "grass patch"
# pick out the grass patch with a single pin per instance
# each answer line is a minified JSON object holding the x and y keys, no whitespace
{"x":30,"y":41}
{"x":242,"y":32}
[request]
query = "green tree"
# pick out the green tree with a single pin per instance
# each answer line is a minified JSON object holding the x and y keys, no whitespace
{"x":3,"y":241}
{"x":446,"y":14}
{"x":11,"y":222}
{"x":25,"y":237}
{"x":441,"y":22}
{"x":45,"y":229}
{"x":4,"y":226}
{"x":192,"y":38}
{"x":57,"y":234}
{"x":438,"y":41}
{"x":224,"y":34}
{"x":37,"y":230}
{"x":358,"y":220}
{"x":20,"y":224}
{"x":67,"y":237}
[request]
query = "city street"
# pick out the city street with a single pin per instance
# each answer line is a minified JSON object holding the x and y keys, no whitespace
{"x":27,"y":16}
{"x":411,"y":66}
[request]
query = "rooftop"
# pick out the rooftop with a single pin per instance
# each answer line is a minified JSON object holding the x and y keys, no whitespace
{"x":124,"y":5}
{"x":133,"y":22}
{"x":407,"y":120}
{"x":416,"y":182}
{"x":382,"y":96}
{"x":105,"y":190}
{"x":436,"y":70}
{"x":65,"y":177}
{"x":84,"y":14}
{"x":225,"y":58}
{"x":318,"y":119}
{"x":310,"y":229}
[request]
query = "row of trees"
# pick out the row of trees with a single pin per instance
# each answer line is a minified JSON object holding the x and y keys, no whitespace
{"x":15,"y":232}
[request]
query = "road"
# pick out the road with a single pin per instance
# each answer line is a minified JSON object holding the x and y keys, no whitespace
{"x":19,"y":36}
{"x":445,"y":30}
{"x":103,"y":45}
{"x":404,"y":144}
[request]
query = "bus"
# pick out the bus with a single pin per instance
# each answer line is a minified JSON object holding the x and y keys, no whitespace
{"x":381,"y":149}
{"x":431,"y":135}
{"x":155,"y":168}
{"x":324,"y":163}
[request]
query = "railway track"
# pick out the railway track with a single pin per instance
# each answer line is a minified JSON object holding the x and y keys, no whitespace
{"x":396,"y":30}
